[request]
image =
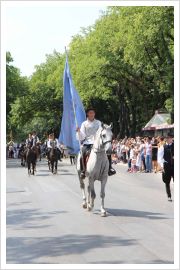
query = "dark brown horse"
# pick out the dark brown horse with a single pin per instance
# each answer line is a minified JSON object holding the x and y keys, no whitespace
{"x":53,"y":159}
{"x":31,"y":157}
{"x":38,"y":150}
{"x":22,"y":154}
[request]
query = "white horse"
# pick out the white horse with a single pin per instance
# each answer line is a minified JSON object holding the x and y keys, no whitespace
{"x":97,"y":167}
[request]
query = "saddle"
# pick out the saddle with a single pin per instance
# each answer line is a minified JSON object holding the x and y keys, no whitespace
{"x":85,"y":158}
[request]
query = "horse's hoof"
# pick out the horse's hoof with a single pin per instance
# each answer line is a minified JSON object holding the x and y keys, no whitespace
{"x":103,"y":214}
{"x":89,"y":208}
{"x":84,"y":205}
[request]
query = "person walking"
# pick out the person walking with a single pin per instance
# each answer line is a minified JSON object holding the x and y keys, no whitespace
{"x":168,"y":165}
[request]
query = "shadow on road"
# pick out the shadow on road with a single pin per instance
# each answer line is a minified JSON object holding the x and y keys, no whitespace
{"x":33,"y":249}
{"x":134,"y":213}
{"x":13,"y":163}
{"x":29,"y":218}
{"x":16,"y":163}
{"x":42,"y":174}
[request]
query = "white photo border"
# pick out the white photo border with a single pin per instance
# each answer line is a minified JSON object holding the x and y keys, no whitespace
{"x":4,"y":6}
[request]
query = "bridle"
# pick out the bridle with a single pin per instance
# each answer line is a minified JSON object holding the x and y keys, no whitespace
{"x":103,"y":143}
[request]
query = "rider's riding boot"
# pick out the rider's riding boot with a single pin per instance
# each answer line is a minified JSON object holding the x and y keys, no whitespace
{"x":111,"y":170}
{"x":82,"y":173}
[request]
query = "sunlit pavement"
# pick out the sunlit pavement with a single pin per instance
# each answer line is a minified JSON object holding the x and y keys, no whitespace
{"x":47,"y":224}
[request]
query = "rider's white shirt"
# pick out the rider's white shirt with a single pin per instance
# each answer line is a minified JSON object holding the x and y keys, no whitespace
{"x":35,"y":140}
{"x":28,"y":140}
{"x":49,"y":143}
{"x":88,"y":130}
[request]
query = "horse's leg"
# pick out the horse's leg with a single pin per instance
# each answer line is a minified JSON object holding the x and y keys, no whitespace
{"x":21,"y":161}
{"x":52,"y":166}
{"x":102,"y":195}
{"x":49,"y":164}
{"x":35,"y":164}
{"x":91,"y":194}
{"x":55,"y":165}
{"x":89,"y":198}
{"x":29,"y":168}
{"x":82,"y":186}
{"x":33,"y":167}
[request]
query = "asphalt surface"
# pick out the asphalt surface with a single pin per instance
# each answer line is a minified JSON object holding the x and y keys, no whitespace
{"x":47,"y":224}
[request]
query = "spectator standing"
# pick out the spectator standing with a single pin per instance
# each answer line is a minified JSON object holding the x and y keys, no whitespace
{"x":118,"y":150}
{"x":130,"y":156}
{"x":142,"y":154}
{"x":138,"y":160}
{"x":148,"y":153}
{"x":154,"y":155}
{"x":123,"y":150}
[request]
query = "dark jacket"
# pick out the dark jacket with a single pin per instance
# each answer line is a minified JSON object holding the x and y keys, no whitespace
{"x":169,"y":154}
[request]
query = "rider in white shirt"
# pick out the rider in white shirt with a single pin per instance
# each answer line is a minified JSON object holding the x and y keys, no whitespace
{"x":29,"y":140}
{"x":50,"y":142}
{"x":86,"y":135}
{"x":35,"y":138}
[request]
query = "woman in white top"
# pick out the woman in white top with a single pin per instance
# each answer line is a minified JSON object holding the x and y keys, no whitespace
{"x":160,"y":154}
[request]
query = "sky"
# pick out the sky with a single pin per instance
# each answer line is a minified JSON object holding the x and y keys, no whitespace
{"x":33,"y":32}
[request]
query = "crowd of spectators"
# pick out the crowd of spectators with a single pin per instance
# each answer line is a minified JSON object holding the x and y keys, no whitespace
{"x":141,"y":154}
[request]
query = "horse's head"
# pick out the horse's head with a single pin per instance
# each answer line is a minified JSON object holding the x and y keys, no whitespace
{"x":106,"y":138}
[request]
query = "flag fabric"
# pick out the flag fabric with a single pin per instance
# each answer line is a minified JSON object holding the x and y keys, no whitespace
{"x":73,"y":113}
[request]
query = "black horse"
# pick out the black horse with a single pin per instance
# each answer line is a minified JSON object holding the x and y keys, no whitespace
{"x":38,"y":150}
{"x":31,"y":157}
{"x":53,"y":159}
{"x":22,"y":154}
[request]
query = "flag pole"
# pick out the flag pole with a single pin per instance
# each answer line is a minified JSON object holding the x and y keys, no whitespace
{"x":74,"y":111}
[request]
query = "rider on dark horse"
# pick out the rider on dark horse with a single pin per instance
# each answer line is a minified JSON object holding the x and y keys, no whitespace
{"x":29,"y":140}
{"x":86,"y":135}
{"x":35,"y":138}
{"x":50,"y":142}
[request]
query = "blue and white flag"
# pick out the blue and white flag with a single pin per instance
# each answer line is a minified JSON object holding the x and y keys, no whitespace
{"x":73,"y":113}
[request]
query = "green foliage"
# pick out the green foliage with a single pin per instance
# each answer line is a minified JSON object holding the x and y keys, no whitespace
{"x":123,"y":65}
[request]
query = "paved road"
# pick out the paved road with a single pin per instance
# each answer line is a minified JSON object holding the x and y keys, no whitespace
{"x":46,"y":223}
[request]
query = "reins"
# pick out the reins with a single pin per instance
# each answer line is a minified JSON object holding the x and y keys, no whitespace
{"x":103,"y":143}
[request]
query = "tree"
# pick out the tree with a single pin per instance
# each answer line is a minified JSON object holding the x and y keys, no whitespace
{"x":123,"y":65}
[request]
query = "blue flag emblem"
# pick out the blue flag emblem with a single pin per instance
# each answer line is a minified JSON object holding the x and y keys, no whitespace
{"x":73,"y":113}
